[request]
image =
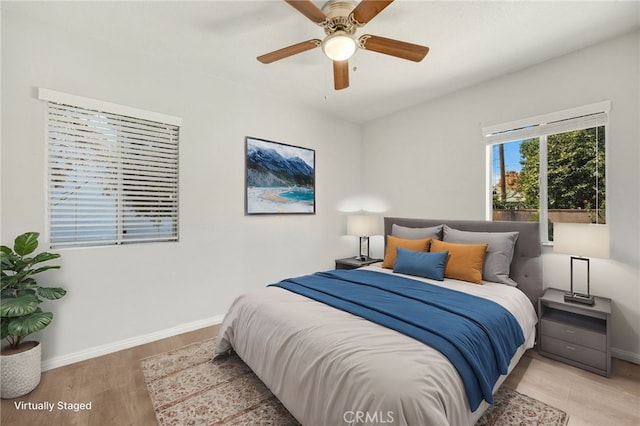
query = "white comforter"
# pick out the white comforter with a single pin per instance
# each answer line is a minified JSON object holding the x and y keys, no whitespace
{"x":329,"y":367}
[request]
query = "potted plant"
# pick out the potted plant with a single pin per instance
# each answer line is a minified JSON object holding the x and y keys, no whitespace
{"x":20,"y":314}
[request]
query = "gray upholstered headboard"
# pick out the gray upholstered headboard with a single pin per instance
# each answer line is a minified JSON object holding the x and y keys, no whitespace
{"x":526,"y":266}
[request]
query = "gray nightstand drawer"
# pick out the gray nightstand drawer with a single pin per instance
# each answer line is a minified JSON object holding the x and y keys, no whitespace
{"x":578,"y":353}
{"x":572,"y":334}
{"x":575,"y":333}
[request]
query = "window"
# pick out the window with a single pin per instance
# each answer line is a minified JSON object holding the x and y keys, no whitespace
{"x":113,"y":173}
{"x":549,"y":169}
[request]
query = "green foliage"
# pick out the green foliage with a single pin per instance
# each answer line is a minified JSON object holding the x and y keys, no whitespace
{"x":529,"y":179}
{"x":20,"y":296}
{"x":575,"y":168}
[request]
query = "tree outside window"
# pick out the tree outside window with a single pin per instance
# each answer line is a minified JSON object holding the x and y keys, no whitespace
{"x":572,"y":188}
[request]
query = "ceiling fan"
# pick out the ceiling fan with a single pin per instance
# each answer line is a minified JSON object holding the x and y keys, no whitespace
{"x":340,"y":20}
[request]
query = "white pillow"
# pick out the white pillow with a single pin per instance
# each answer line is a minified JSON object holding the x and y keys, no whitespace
{"x":407,"y":233}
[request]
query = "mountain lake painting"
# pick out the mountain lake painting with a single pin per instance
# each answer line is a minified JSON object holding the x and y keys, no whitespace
{"x":280,"y":178}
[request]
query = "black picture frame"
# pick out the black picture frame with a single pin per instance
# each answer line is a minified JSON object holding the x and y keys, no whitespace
{"x":279,"y":178}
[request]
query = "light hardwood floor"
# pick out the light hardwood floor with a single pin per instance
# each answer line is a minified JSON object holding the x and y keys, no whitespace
{"x":115,"y":386}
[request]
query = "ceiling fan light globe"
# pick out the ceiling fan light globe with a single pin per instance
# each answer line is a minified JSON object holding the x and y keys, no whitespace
{"x":339,"y":46}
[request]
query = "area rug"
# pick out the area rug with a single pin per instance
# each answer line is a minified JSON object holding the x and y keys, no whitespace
{"x":186,"y":388}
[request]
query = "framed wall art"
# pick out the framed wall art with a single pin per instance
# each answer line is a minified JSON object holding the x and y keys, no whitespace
{"x":279,"y":178}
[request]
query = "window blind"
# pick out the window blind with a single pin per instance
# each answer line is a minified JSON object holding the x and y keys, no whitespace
{"x":585,"y":117}
{"x":113,"y":178}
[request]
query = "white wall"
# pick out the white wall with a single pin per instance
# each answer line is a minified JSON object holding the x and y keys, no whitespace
{"x":429,"y":160}
{"x":119,"y":293}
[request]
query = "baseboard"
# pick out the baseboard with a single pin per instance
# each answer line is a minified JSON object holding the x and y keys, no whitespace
{"x":96,"y":351}
{"x":625,"y":355}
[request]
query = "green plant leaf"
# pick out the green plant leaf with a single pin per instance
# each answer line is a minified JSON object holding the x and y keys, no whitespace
{"x":9,"y":292}
{"x":4,"y":327}
{"x":44,"y":268}
{"x":22,"y":292}
{"x":44,"y":257}
{"x":51,"y":293}
{"x":20,"y":280}
{"x":25,"y":282}
{"x":29,"y":324}
{"x":8,"y":259}
{"x":20,"y":295}
{"x":5,"y":280}
{"x":26,"y":243}
{"x":19,"y":306}
{"x":19,"y":264}
{"x":6,"y":253}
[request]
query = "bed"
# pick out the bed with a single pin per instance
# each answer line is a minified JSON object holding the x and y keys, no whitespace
{"x":330,"y":366}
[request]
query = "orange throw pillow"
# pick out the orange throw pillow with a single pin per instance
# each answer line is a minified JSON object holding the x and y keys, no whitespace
{"x":464,"y":262}
{"x":394,"y":242}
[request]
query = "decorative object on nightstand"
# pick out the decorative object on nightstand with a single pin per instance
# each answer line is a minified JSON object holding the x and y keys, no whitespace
{"x":584,"y":240}
{"x":354,"y":262}
{"x":576,"y":334}
{"x":362,"y":226}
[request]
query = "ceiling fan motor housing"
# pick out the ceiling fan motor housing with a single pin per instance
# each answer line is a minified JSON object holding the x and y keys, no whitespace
{"x":338,"y":19}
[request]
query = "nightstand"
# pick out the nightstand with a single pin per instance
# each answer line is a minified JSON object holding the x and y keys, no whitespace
{"x":353,"y":263}
{"x":576,"y":334}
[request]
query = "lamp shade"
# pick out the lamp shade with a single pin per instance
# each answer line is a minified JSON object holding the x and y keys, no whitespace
{"x":581,"y":239}
{"x":362,"y":225}
{"x":339,"y":46}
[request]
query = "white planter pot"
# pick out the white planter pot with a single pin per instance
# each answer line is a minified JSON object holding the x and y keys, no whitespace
{"x":20,"y":372}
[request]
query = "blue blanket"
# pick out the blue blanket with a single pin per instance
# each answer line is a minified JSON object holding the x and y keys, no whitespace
{"x":478,"y":336}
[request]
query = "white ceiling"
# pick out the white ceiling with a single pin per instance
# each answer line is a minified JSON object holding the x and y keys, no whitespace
{"x":469,"y":42}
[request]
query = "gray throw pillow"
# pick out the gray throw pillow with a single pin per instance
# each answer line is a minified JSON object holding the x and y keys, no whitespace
{"x":407,"y":233}
{"x":497,"y":261}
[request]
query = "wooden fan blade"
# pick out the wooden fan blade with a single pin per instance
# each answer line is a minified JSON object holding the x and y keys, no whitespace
{"x":285,"y":52}
{"x":399,"y":49}
{"x":341,"y":74}
{"x":366,"y":10}
{"x":308,"y":9}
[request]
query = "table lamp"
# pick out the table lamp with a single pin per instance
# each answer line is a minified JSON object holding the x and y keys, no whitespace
{"x":581,"y":240}
{"x":362,"y":226}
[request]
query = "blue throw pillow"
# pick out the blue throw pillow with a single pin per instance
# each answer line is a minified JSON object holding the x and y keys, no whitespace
{"x":421,"y":264}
